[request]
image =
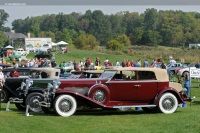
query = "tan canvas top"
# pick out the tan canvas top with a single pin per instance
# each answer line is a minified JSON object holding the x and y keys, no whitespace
{"x":161,"y":74}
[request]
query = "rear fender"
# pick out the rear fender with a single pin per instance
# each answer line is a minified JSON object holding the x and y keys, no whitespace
{"x":170,"y":90}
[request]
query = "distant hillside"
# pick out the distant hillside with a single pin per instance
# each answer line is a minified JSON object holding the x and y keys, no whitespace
{"x":138,"y":52}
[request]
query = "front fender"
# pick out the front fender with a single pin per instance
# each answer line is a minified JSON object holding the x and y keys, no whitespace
{"x":35,"y":89}
{"x":79,"y":96}
{"x":170,"y":90}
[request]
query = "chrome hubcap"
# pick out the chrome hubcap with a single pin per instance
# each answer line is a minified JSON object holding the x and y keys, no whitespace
{"x":34,"y":103}
{"x":65,"y":105}
{"x":168,"y":103}
{"x":3,"y":95}
{"x":99,"y":96}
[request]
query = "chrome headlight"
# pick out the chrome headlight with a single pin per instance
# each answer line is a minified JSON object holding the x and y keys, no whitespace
{"x":56,"y":84}
{"x":29,"y":83}
{"x":49,"y":87}
{"x":183,"y":91}
{"x":23,"y":85}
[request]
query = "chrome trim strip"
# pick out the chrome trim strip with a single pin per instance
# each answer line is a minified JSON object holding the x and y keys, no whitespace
{"x":135,"y":81}
{"x":134,"y":106}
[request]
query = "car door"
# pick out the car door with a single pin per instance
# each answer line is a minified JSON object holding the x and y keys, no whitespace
{"x":141,"y":87}
{"x":146,"y":86}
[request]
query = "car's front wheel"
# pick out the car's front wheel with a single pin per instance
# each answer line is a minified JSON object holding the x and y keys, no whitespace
{"x":65,"y":105}
{"x":168,"y":103}
{"x":4,"y":95}
{"x":33,"y":100}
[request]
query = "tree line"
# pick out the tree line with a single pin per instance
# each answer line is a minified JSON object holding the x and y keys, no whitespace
{"x":115,"y":31}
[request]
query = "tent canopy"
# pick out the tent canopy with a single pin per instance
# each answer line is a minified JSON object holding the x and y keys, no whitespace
{"x":53,"y":44}
{"x":62,"y":43}
{"x":8,"y":47}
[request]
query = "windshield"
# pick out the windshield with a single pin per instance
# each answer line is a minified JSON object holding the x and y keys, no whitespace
{"x":108,"y":74}
{"x":68,"y":64}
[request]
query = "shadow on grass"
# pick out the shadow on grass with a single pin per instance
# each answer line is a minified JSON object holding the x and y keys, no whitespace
{"x":195,"y":103}
{"x":109,"y":112}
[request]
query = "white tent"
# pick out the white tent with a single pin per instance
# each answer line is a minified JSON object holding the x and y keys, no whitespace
{"x":53,"y":44}
{"x":62,"y":43}
{"x":8,"y":47}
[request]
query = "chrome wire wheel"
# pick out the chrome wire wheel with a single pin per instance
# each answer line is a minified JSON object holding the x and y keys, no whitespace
{"x":65,"y":105}
{"x":33,"y":100}
{"x":168,"y":103}
{"x":3,"y":96}
{"x":99,"y":95}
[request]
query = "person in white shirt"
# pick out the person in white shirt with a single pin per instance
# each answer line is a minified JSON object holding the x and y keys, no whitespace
{"x":2,"y":78}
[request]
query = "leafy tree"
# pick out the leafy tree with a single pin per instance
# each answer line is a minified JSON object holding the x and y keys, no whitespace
{"x":3,"y":39}
{"x":66,"y":36}
{"x":49,"y":23}
{"x":47,"y":35}
{"x":3,"y":17}
{"x":136,"y":35}
{"x":81,"y":41}
{"x":124,"y":40}
{"x":84,"y":41}
{"x":114,"y":45}
{"x":92,"y":41}
{"x":151,"y":37}
{"x":151,"y":19}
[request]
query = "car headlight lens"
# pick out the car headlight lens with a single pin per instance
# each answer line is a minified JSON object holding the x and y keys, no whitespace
{"x":56,"y":84}
{"x":29,"y":83}
{"x":23,"y":85}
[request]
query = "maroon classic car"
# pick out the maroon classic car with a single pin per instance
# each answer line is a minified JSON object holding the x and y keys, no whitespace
{"x":117,"y":87}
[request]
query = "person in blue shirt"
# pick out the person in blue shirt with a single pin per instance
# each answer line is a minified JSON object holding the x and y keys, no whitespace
{"x":137,"y":64}
{"x":187,"y":83}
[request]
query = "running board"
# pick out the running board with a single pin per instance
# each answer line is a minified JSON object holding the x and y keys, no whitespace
{"x":179,"y":105}
{"x":134,"y":106}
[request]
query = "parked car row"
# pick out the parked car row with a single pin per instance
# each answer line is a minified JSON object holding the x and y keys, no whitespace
{"x":114,"y":88}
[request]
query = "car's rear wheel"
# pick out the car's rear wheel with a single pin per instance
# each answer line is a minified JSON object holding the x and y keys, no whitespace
{"x":33,"y":100}
{"x":4,"y":95}
{"x":65,"y":105}
{"x":168,"y":103}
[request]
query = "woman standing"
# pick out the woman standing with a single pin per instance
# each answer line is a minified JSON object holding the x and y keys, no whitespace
{"x":187,"y":83}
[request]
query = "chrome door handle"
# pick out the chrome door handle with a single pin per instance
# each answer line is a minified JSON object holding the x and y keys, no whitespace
{"x":137,"y":85}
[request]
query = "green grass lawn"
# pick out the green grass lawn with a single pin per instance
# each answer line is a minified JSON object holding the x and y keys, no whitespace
{"x":184,"y":120}
{"x":98,"y":121}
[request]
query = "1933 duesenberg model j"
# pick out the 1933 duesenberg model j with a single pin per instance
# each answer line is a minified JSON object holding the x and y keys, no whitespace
{"x":116,"y":88}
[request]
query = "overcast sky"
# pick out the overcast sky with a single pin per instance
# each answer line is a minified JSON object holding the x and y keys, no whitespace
{"x":17,"y":12}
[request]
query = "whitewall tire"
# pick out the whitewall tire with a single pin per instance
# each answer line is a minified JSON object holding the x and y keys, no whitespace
{"x":168,"y":103}
{"x":65,"y":105}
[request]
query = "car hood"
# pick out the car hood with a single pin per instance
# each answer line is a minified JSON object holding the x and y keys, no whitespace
{"x":80,"y":83}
